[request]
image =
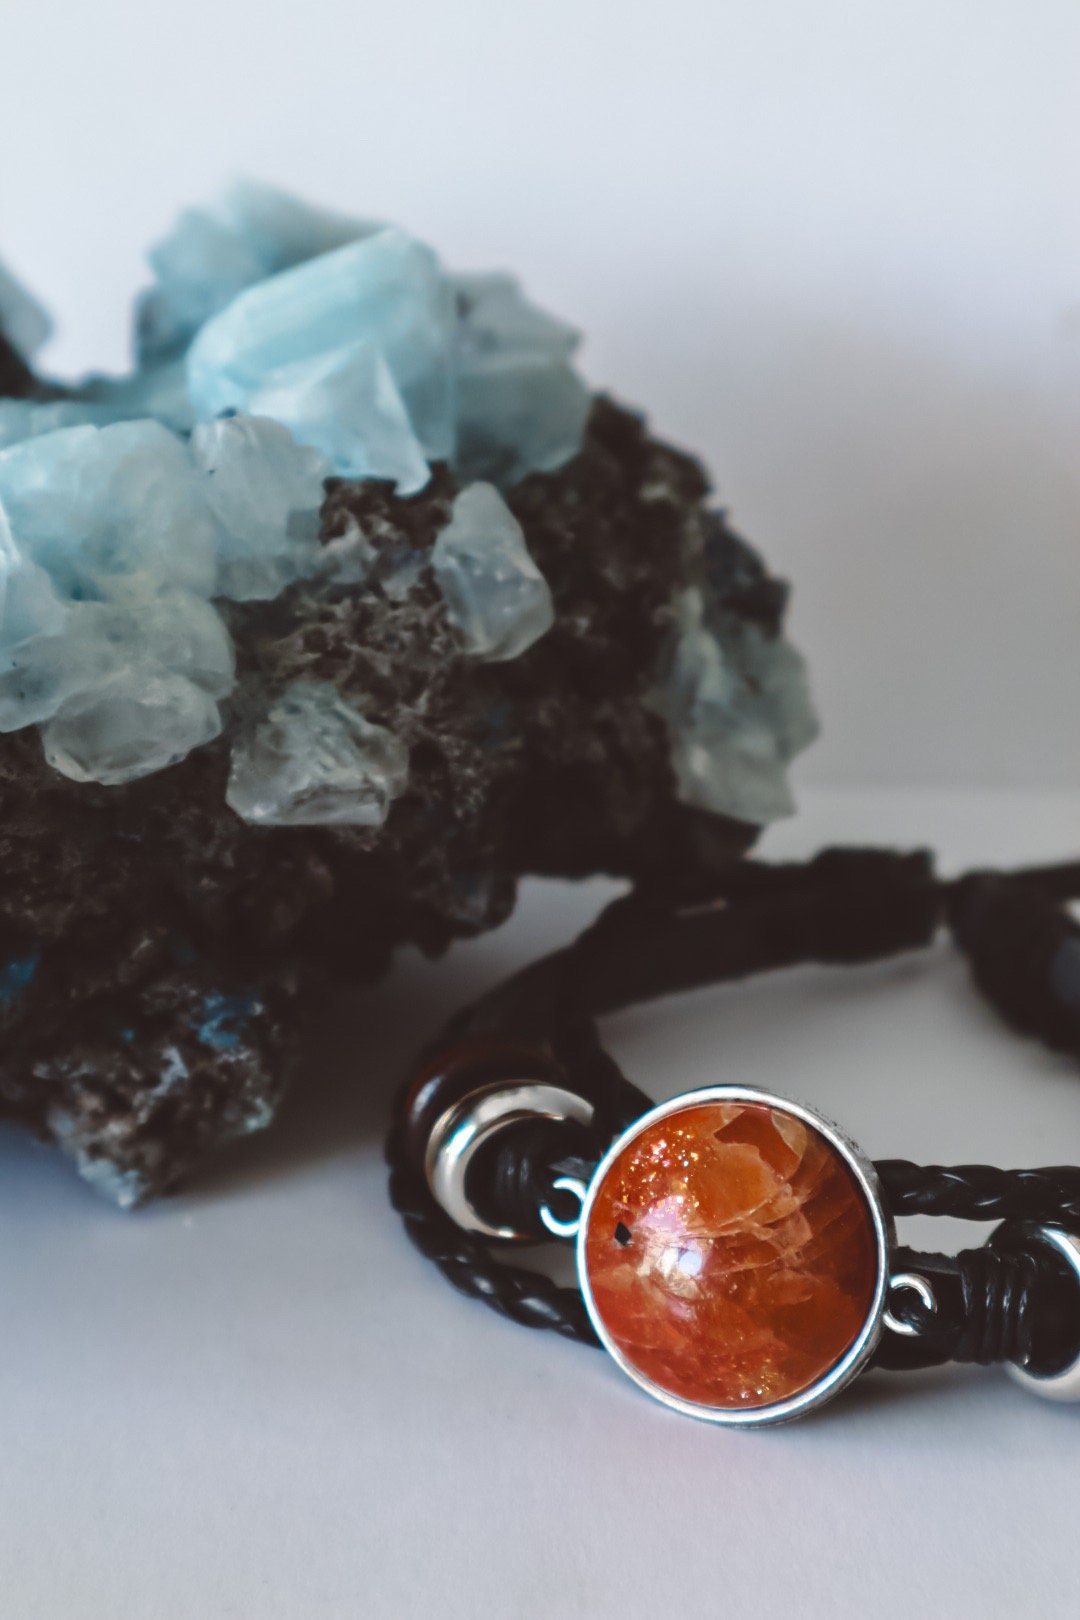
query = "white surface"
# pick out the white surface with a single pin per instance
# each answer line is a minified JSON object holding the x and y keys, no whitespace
{"x":835,"y":246}
{"x":257,"y":1402}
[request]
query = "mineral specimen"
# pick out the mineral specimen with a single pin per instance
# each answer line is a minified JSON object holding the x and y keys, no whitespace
{"x":730,"y":1255}
{"x":343,"y":611}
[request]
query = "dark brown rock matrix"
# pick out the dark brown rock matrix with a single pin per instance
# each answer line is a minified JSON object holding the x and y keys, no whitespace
{"x":155,"y":949}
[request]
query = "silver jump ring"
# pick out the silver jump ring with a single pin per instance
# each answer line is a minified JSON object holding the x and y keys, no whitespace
{"x":917,"y":1285}
{"x":1063,"y":1385}
{"x":462,"y":1130}
{"x":565,"y":1229}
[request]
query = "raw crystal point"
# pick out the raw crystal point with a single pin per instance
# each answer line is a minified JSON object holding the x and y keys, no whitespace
{"x":738,"y":710}
{"x":348,"y":404}
{"x":265,"y":491}
{"x":382,"y":296}
{"x":200,"y":267}
{"x":132,"y":725}
{"x":284,"y":230}
{"x":521,"y":407}
{"x":211,"y":254}
{"x":314,"y":760}
{"x":495,"y":595}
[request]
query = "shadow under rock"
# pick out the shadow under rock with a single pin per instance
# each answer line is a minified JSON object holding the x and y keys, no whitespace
{"x":360,"y":1043}
{"x":357,"y":1047}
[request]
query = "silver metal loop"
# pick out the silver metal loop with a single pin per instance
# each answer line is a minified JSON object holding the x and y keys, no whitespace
{"x":918,"y":1285}
{"x":565,"y":1229}
{"x":1063,"y":1385}
{"x":463,"y":1129}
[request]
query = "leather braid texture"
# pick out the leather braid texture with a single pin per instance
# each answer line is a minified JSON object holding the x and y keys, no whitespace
{"x":844,"y":906}
{"x":980,"y":1192}
{"x":520,"y":1293}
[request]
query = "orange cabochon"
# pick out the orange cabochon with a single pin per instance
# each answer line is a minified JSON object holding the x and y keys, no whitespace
{"x":731,"y":1254}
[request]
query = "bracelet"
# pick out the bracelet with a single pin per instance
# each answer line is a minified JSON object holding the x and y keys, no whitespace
{"x":736,"y":1253}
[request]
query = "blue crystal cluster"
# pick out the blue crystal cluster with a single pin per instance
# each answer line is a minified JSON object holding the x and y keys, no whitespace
{"x":280,"y":345}
{"x":737,"y":705}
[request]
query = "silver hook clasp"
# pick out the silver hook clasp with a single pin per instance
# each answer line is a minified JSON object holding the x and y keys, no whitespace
{"x":565,"y":1229}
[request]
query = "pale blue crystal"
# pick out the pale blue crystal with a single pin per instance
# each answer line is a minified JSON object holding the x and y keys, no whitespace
{"x":211,"y":254}
{"x":495,"y":318}
{"x":285,"y":230}
{"x":40,"y":675}
{"x":173,"y":633}
{"x":28,"y":419}
{"x":348,"y":406}
{"x":315,"y":760}
{"x":521,"y":407}
{"x":265,"y":491}
{"x":280,"y":344}
{"x":97,"y":506}
{"x":495,"y":595}
{"x":177,"y":631}
{"x":199,"y":267}
{"x":158,"y":391}
{"x":130,"y":726}
{"x":109,"y":554}
{"x":738,"y":710}
{"x":383,"y":294}
{"x":29,"y":607}
{"x":22,"y":320}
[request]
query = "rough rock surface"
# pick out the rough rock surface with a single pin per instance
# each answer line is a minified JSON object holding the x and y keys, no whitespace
{"x":156,"y":948}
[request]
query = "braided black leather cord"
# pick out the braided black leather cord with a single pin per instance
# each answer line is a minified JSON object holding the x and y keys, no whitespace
{"x":846,"y":905}
{"x":518,"y":1292}
{"x":981,"y":1192}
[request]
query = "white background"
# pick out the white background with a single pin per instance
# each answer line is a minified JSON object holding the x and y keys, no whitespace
{"x":833,"y":244}
{"x":836,"y":248}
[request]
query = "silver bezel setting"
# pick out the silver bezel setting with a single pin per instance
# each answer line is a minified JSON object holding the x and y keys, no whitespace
{"x":855,"y":1357}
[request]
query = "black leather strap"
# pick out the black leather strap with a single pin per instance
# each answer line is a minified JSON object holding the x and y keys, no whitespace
{"x":846,"y":905}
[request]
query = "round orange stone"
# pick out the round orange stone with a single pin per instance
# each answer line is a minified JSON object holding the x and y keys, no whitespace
{"x":731,"y":1255}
